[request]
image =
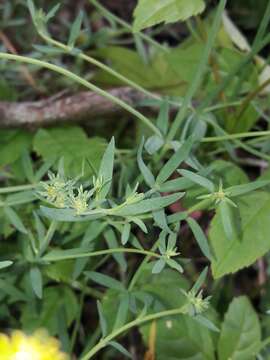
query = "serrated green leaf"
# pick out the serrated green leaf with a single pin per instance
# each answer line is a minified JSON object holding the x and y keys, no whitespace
{"x":231,"y":256}
{"x":72,"y":144}
{"x":152,"y":12}
{"x":36,"y":281}
{"x":105,"y":280}
{"x":175,"y":161}
{"x":240,"y":332}
{"x":200,"y":237}
{"x":145,"y":171}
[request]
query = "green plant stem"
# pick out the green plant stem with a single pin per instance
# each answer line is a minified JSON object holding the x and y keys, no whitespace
{"x":84,"y":83}
{"x":236,"y":136}
{"x":54,"y":257}
{"x":139,"y":321}
{"x":11,"y":189}
{"x":126,"y":25}
{"x":99,"y":64}
{"x":196,"y":81}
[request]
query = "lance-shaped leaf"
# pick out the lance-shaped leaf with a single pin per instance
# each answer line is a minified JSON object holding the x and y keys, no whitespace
{"x":145,"y":171}
{"x":15,"y":219}
{"x":36,"y":281}
{"x":158,"y":266}
{"x":200,"y":237}
{"x":175,"y":161}
{"x":6,"y":263}
{"x":200,"y":281}
{"x":120,"y":348}
{"x":147,"y":205}
{"x":227,"y":218}
{"x":106,"y":169}
{"x":122,"y":312}
{"x":125,"y":233}
{"x":75,"y":29}
{"x":198,"y":179}
{"x":153,"y":144}
{"x":102,"y":320}
{"x":246,"y":188}
{"x":163,"y":117}
{"x":105,"y":280}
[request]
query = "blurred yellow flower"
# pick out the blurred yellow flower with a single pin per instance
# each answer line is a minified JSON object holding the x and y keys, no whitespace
{"x":39,"y":346}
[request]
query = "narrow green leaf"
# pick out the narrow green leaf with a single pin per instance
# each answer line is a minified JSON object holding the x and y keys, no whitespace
{"x":140,"y":223}
{"x":112,"y":243}
{"x":6,"y":263}
{"x":75,"y":29}
{"x":15,"y":219}
{"x":174,"y":265}
{"x":200,"y":237}
{"x":163,"y":117}
{"x":176,"y":185}
{"x":148,"y":205}
{"x":200,"y":281}
{"x":145,"y":171}
{"x":158,"y":266}
{"x":120,"y":348}
{"x":105,"y":280}
{"x":122,"y":312}
{"x":52,"y":12}
{"x":31,"y":8}
{"x":36,"y":281}
{"x":227,"y":219}
{"x":153,"y":144}
{"x":246,"y":188}
{"x":125,"y":233}
{"x":40,"y":228}
{"x":28,"y":167}
{"x":102,"y":320}
{"x":106,"y":169}
{"x":175,"y":161}
{"x":206,"y":322}
{"x":198,"y":179}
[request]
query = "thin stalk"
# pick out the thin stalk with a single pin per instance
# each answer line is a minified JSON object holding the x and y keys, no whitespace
{"x":139,"y":321}
{"x":99,"y":64}
{"x":84,"y":83}
{"x":54,"y":257}
{"x":236,"y":136}
{"x":11,"y":189}
{"x":195,"y":83}
{"x":126,"y":25}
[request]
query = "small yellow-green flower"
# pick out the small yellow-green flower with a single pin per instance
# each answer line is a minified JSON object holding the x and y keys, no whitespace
{"x":39,"y":346}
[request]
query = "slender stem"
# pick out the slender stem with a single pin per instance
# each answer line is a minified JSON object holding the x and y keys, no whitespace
{"x":139,"y":321}
{"x":196,"y":81}
{"x":11,"y":189}
{"x":84,"y":83}
{"x":99,"y":64}
{"x":236,"y":136}
{"x":56,"y":256}
{"x":126,"y":25}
